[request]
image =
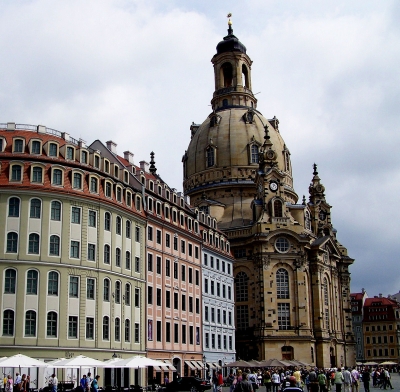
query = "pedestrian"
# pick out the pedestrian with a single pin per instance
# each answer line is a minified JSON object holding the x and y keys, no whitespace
{"x":95,"y":384}
{"x":347,"y":379}
{"x":322,"y":381}
{"x":355,"y":377}
{"x":339,"y":379}
{"x":9,"y":384}
{"x":366,"y":378}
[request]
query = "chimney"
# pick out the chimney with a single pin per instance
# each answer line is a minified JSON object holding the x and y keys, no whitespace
{"x":144,"y":166}
{"x":129,"y":157}
{"x":380,"y":295}
{"x":112,"y":146}
{"x":11,"y":126}
{"x":41,"y":129}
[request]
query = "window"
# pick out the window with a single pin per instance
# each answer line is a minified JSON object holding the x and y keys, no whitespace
{"x":210,"y":157}
{"x":183,"y":273}
{"x":128,"y":260}
{"x":158,"y":237}
{"x":137,"y":264}
{"x":10,"y":281}
{"x":158,"y":265}
{"x":128,"y":331}
{"x":92,"y":218}
{"x":57,"y":177}
{"x":128,"y":229}
{"x":167,"y":267}
{"x":16,"y":173}
{"x":118,"y":225}
{"x":167,"y":240}
{"x":73,"y":327}
{"x":197,"y":280}
{"x":242,"y":317}
{"x":76,"y":215}
{"x":176,"y":333}
{"x":13,"y":207}
{"x":107,"y":254}
{"x":89,"y":328}
{"x":117,"y":292}
{"x":283,"y":316}
{"x":128,"y":294}
{"x":70,"y":153}
{"x":149,"y":295}
{"x":175,"y":270}
{"x":117,"y":330}
{"x":176,"y":301}
{"x":84,"y":157}
{"x":94,"y":185}
{"x":167,"y":299}
{"x":149,"y":262}
{"x":183,"y":246}
{"x":137,"y":297}
{"x":137,"y":234}
{"x":37,"y":174}
{"x":158,"y":297}
{"x":254,"y":153}
{"x":118,"y":257}
{"x":77,"y":181}
{"x":55,"y":211}
{"x":73,"y":287}
{"x":8,"y":322}
{"x":90,"y":287}
{"x":33,"y":247}
{"x":53,"y":150}
{"x":106,"y":328}
{"x":51,"y":327}
{"x":74,"y":251}
{"x":30,"y":323}
{"x":282,"y":245}
{"x":91,"y":254}
{"x":107,"y":221}
{"x":32,"y":282}
{"x":150,"y":233}
{"x":108,"y":189}
{"x":52,"y":283}
{"x":106,"y":290}
{"x":183,"y":304}
{"x":241,"y":284}
{"x":35,"y":209}
{"x":12,"y":242}
{"x":282,"y":284}
{"x":18,"y":145}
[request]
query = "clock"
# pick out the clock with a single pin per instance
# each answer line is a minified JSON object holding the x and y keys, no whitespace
{"x":273,"y":185}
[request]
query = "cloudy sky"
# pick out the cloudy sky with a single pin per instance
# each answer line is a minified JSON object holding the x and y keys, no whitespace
{"x":138,"y":72}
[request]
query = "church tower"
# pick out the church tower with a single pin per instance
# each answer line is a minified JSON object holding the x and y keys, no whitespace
{"x":292,"y":283}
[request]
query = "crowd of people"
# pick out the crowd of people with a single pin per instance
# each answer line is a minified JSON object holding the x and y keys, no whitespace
{"x":300,"y":379}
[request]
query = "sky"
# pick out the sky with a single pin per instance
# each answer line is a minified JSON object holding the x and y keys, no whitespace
{"x":138,"y":72}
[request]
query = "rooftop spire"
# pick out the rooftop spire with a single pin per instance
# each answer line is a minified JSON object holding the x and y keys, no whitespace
{"x":230,"y":30}
{"x":152,"y":168}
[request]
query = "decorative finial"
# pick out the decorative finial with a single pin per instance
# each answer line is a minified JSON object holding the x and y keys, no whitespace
{"x":152,"y":168}
{"x":230,"y":30}
{"x":315,"y":169}
{"x":304,"y":200}
{"x":266,"y":137}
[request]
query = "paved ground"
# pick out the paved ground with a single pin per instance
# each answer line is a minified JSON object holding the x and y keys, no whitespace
{"x":395,"y":380}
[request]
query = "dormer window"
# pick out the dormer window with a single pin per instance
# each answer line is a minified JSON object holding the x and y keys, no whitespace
{"x":97,"y":162}
{"x":94,"y":185}
{"x":278,"y":211}
{"x":128,"y":198}
{"x":151,"y":185}
{"x":53,"y":150}
{"x":116,"y":171}
{"x":143,"y":179}
{"x":36,"y":147}
{"x":37,"y":174}
{"x":16,"y":172}
{"x":126,"y":176}
{"x":2,"y":144}
{"x":70,"y":153}
{"x":119,"y":194}
{"x":18,"y":145}
{"x":84,"y":157}
{"x":106,"y":165}
{"x":77,"y":180}
{"x":108,"y":189}
{"x":254,"y":153}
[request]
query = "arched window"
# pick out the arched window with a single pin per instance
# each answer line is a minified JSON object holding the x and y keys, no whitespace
{"x":55,"y":212}
{"x":245,"y":76}
{"x":118,"y":257}
{"x":10,"y":280}
{"x":13,"y":207}
{"x":210,"y":157}
{"x":32,"y":278}
{"x":57,"y":177}
{"x":128,"y":260}
{"x":37,"y":174}
{"x":12,"y":242}
{"x":254,"y":153}
{"x":30,"y":323}
{"x":77,"y":181}
{"x":127,"y":330}
{"x":282,"y":284}
{"x":117,"y":292}
{"x":128,"y":229}
{"x":106,"y":290}
{"x":107,"y":254}
{"x":52,"y":284}
{"x":241,"y":287}
{"x":8,"y":322}
{"x":326,"y":297}
{"x":36,"y":206}
{"x":326,"y":304}
{"x":107,"y":221}
{"x":287,"y":353}
{"x":128,"y":294}
{"x":117,"y":330}
{"x":51,"y":330}
{"x":54,"y":249}
{"x":278,"y":208}
{"x":307,"y":220}
{"x":106,"y":328}
{"x":33,"y":247}
{"x":227,"y":72}
{"x":16,"y":173}
{"x":118,"y":225}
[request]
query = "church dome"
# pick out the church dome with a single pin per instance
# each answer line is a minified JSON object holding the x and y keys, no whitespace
{"x":230,"y":43}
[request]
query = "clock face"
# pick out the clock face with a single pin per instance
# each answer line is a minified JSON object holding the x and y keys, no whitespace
{"x":273,"y":186}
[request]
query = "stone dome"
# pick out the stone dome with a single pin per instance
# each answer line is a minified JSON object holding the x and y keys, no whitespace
{"x":230,"y":43}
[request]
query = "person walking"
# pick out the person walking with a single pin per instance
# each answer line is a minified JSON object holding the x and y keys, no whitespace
{"x":355,"y":377}
{"x":339,"y":379}
{"x":95,"y":384}
{"x":366,"y":378}
{"x":347,"y":379}
{"x":9,"y":384}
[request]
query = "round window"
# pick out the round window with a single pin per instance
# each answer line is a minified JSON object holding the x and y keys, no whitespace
{"x":282,"y":245}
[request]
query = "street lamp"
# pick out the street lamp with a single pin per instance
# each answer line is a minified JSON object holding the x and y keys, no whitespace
{"x":204,"y":361}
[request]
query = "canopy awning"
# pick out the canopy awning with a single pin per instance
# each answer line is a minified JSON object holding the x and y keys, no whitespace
{"x":157,"y":368}
{"x":216,"y":365}
{"x":170,"y":366}
{"x":191,"y":366}
{"x":211,"y":365}
{"x":196,"y":365}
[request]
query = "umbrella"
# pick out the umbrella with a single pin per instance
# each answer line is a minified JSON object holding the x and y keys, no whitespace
{"x":111,"y":363}
{"x":239,"y":363}
{"x":79,"y":361}
{"x":254,"y":363}
{"x":138,"y":361}
{"x":275,"y":363}
{"x":388,"y":363}
{"x":366,"y":363}
{"x":21,"y":361}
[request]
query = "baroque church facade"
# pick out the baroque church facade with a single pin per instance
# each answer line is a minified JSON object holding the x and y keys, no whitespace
{"x":292,"y":280}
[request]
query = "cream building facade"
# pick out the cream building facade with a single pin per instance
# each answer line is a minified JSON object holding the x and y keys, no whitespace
{"x":292,"y":283}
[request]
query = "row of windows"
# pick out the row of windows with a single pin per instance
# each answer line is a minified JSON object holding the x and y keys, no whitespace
{"x":77,"y":180}
{"x":184,"y":336}
{"x":218,"y":341}
{"x":214,"y":315}
{"x":52,"y":326}
{"x":383,"y":352}
{"x":167,"y":271}
{"x":378,"y":328}
{"x":380,"y":339}
{"x":53,"y":287}
{"x":185,"y":305}
{"x":213,"y":240}
{"x":35,"y":211}
{"x":218,"y":289}
{"x":219,"y":266}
